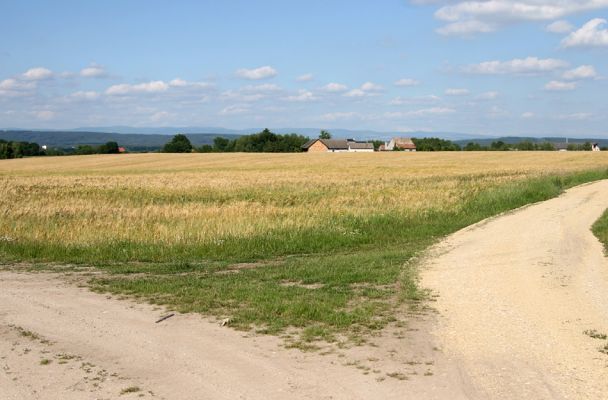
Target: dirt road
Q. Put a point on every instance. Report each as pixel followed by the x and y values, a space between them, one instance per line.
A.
pixel 99 347
pixel 515 294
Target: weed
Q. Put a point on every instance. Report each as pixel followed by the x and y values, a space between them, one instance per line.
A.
pixel 600 229
pixel 130 389
pixel 592 333
pixel 397 375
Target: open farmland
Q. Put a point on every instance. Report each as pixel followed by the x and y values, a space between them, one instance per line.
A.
pixel 314 241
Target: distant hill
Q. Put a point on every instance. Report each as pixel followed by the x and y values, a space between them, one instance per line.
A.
pixel 517 139
pixel 310 132
pixel 138 139
pixel 154 137
pixel 133 141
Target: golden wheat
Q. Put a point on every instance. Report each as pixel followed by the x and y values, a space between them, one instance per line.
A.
pixel 187 198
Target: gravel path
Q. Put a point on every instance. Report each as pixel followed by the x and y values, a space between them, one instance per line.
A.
pixel 515 295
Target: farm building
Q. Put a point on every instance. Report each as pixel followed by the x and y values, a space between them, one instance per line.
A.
pixel 337 146
pixel 405 144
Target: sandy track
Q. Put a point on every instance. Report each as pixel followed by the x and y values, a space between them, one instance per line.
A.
pixel 515 295
pixel 117 345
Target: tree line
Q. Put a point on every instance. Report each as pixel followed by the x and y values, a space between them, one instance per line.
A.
pixel 269 142
pixel 262 142
pixel 13 149
pixel 19 149
pixel 436 144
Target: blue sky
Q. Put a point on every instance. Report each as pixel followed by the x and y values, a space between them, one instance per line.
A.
pixel 497 67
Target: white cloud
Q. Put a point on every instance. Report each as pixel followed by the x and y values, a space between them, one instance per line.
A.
pixel 457 92
pixel 237 95
pixel 366 89
pixel 355 93
pixel 338 116
pixel 305 78
pixel 371 87
pixel 16 88
pixel 582 72
pixel 529 65
pixel 399 101
pixel 251 93
pixel 466 28
pixel 487 95
pixel 234 110
pixel 434 111
pixel 407 82
pixel 254 74
pixel 93 71
pixel 560 86
pixel 44 115
pixel 527 115
pixel 335 87
pixel 85 95
pixel 589 35
pixel 265 87
pixel 161 116
pixel 575 116
pixel 148 87
pixel 560 26
pixel 420 113
pixel 37 74
pixel 177 82
pixel 14 84
pixel 181 83
pixel 302 96
pixel 478 16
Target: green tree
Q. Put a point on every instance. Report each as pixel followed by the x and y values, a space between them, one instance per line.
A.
pixel 546 146
pixel 206 148
pixel 525 145
pixel 377 144
pixel 472 146
pixel 435 144
pixel 221 144
pixel 109 148
pixel 499 145
pixel 85 149
pixel 324 135
pixel 179 144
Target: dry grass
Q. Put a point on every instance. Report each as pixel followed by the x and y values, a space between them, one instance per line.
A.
pixel 202 198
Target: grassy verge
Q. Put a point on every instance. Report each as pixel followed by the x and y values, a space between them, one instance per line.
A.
pixel 600 229
pixel 348 287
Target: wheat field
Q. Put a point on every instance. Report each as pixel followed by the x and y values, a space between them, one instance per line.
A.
pixel 165 199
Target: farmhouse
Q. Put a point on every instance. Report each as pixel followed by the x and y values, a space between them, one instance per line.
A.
pixel 405 144
pixel 337 146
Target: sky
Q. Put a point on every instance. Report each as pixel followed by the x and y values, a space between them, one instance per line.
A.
pixel 483 67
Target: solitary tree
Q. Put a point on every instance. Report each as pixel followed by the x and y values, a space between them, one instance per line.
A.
pixel 324 135
pixel 179 144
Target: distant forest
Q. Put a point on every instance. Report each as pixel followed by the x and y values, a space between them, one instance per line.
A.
pixel 261 142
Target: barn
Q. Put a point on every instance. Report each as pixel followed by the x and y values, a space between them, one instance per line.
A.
pixel 400 143
pixel 337 146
